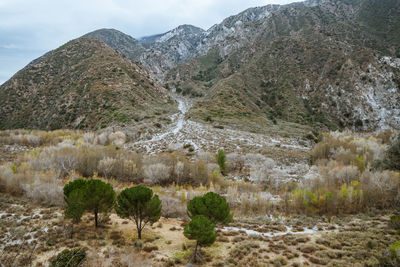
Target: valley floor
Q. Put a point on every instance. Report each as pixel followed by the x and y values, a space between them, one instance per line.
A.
pixel 38 233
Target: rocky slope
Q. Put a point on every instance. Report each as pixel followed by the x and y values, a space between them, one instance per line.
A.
pixel 325 63
pixel 320 63
pixel 82 84
pixel 120 41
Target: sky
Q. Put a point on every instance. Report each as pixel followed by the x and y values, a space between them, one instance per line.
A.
pixel 30 28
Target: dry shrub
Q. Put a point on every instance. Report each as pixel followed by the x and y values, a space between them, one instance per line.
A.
pixel 117 138
pixel 39 186
pixel 211 167
pixel 45 188
pixel 157 173
pixel 106 166
pixel 102 139
pixel 10 180
pixel 262 171
pixel 381 189
pixel 343 174
pixel 206 157
pixel 89 138
pixel 235 162
pixel 254 203
pixel 172 208
pixel 198 173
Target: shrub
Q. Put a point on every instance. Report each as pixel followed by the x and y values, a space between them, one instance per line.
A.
pixel 106 167
pixel 392 158
pixel 172 208
pixel 157 173
pixel 45 188
pixel 69 258
pixel 262 172
pixel 221 160
pixel 395 222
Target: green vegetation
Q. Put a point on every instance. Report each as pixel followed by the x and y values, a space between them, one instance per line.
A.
pixel 93 195
pixel 221 160
pixel 69 258
pixel 99 97
pixel 201 229
pixel 99 197
pixel 392 158
pixel 212 206
pixel 140 205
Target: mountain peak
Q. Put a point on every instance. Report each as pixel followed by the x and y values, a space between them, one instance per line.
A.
pixel 82 84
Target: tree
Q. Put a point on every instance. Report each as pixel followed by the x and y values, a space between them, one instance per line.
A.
pixel 75 207
pixel 200 229
pixel 73 196
pixel 99 197
pixel 140 205
pixel 93 195
pixel 212 206
pixel 71 186
pixel 221 160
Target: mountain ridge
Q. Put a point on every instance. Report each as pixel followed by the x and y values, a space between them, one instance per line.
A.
pixel 325 63
pixel 83 84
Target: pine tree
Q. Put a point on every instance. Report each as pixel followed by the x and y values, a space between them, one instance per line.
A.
pixel 200 229
pixel 99 197
pixel 221 160
pixel 212 206
pixel 140 205
pixel 93 195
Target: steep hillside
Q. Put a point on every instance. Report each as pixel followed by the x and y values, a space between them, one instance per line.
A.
pixel 120 41
pixel 82 84
pixel 328 64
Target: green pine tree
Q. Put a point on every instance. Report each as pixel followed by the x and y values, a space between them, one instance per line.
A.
pixel 140 205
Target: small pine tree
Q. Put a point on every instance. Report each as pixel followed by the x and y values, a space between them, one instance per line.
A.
pixel 99 197
pixel 71 186
pixel 211 205
pixel 75 207
pixel 93 195
pixel 221 160
pixel 200 229
pixel 140 205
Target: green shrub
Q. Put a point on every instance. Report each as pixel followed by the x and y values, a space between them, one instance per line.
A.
pixel 69 258
pixel 221 160
pixel 395 222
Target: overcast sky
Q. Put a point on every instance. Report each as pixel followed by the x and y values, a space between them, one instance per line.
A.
pixel 29 28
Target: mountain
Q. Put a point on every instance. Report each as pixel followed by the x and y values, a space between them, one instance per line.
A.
pixel 120 41
pixel 82 84
pixel 330 64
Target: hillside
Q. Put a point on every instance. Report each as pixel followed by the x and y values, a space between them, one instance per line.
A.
pixel 120 41
pixel 325 64
pixel 83 84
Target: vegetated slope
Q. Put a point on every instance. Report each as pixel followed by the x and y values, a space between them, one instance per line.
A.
pixel 330 64
pixel 82 84
pixel 120 41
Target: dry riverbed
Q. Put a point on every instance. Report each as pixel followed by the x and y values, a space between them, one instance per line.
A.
pixel 35 233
